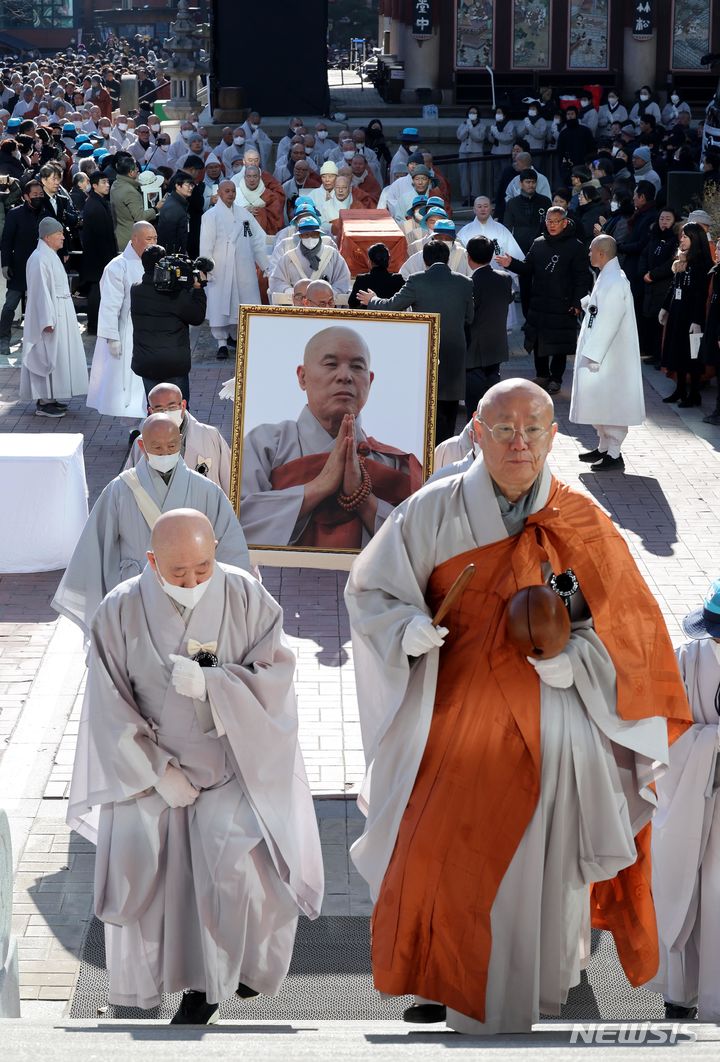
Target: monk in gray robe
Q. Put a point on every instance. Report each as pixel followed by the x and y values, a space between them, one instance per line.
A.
pixel 116 537
pixel 188 777
pixel 202 447
pixel 320 480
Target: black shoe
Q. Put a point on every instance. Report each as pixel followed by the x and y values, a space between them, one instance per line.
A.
pixel 231 342
pixel 554 387
pixel 245 992
pixel 50 409
pixel 712 418
pixel 590 455
pixel 425 1013
pixel 693 399
pixel 674 397
pixel 195 1010
pixel 222 354
pixel 609 464
pixel 674 1010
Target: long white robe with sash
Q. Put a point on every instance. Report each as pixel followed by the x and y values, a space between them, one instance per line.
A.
pixel 270 517
pixel 293 266
pixel 116 537
pixel 53 363
pixel 114 388
pixel 236 243
pixel 207 896
pixel 202 447
pixel 458 262
pixel 686 847
pixel 596 768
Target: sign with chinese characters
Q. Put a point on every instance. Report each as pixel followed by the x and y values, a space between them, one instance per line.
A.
pixel 474 26
pixel 422 24
pixel 531 34
pixel 589 24
pixel 643 24
pixel 690 33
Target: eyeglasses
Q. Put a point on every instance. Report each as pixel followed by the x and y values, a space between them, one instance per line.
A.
pixel 505 433
pixel 166 409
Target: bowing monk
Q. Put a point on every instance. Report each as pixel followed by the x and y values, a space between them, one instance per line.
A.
pixel 508 800
pixel 189 778
pixel 320 480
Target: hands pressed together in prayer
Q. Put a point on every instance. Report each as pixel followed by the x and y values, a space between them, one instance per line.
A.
pixel 342 475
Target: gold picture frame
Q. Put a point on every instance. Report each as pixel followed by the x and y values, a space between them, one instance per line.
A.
pixel 270 340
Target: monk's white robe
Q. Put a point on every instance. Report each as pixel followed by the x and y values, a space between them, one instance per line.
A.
pixel 455 448
pixel 203 450
pixel 236 243
pixel 270 517
pixel 458 262
pixel 596 768
pixel 53 363
pixel 114 388
pixel 292 266
pixel 505 243
pixel 116 537
pixel 206 896
pixel 686 847
pixel 287 238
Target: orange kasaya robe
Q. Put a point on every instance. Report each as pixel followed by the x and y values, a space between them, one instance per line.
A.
pixel 330 526
pixel 479 780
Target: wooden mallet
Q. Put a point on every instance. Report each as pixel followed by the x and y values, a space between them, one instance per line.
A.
pixel 454 593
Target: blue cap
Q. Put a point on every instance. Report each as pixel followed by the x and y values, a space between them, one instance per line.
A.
pixel 433 212
pixel 82 138
pixel 308 223
pixel 99 154
pixel 85 150
pixel 68 128
pixel 704 622
pixel 419 200
pixel 14 123
pixel 445 225
pixel 436 201
pixel 410 133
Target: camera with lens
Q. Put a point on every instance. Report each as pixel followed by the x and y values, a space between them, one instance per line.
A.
pixel 177 272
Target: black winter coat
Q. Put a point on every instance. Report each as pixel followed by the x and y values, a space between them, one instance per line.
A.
pixel 19 240
pixel 161 335
pixel 686 310
pixel 631 248
pixel 173 225
pixel 98 238
pixel 709 349
pixel 384 283
pixel 657 260
pixel 560 273
pixel 524 216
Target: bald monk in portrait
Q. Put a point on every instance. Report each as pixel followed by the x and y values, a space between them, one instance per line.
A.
pixel 189 779
pixel 116 537
pixel 511 797
pixel 321 480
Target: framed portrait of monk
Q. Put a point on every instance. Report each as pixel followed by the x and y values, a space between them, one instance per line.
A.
pixel 333 427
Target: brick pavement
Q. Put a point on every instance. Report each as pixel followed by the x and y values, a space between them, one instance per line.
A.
pixel 667 506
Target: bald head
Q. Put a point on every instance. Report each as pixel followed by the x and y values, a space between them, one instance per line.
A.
pixel 299 289
pixel 515 430
pixel 507 393
pixel 160 435
pixel 166 398
pixel 182 547
pixel 335 374
pixel 602 250
pixel 320 293
pixel 142 236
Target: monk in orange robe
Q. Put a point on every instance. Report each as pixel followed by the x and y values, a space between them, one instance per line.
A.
pixel 509 800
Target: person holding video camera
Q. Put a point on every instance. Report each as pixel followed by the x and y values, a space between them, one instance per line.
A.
pixel 169 298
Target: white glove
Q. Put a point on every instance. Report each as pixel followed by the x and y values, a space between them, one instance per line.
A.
pixel 695 329
pixel 556 672
pixel 188 678
pixel 114 347
pixel 175 789
pixel 420 636
pixel 663 316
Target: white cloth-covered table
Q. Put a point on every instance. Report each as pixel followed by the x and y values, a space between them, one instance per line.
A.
pixel 42 483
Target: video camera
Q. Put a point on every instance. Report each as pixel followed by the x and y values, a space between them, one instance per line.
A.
pixel 177 272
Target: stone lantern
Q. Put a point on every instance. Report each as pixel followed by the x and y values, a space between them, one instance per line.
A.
pixel 185 65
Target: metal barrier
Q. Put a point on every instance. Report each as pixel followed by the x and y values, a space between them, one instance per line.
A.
pixel 491 166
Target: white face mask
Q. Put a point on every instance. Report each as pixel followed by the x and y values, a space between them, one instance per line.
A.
pixel 532 112
pixel 612 100
pixel 499 117
pixel 308 151
pixel 254 127
pixel 186 596
pixel 584 103
pixel 122 126
pixel 154 128
pixel 348 155
pixel 322 134
pixel 473 116
pixel 105 133
pixel 675 98
pixel 176 416
pixel 614 206
pixel 309 242
pixel 238 141
pixel 163 462
pixel 644 96
pixel 186 134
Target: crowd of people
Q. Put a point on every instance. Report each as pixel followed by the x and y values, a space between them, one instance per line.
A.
pixel 500 822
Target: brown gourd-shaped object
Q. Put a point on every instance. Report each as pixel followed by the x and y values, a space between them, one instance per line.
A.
pixel 538 622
